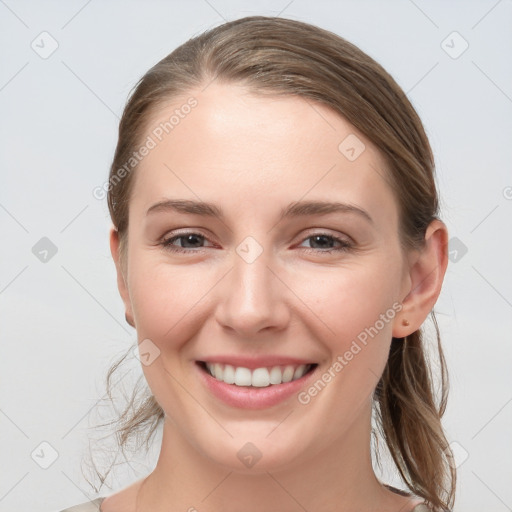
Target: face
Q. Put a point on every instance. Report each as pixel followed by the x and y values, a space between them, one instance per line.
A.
pixel 262 248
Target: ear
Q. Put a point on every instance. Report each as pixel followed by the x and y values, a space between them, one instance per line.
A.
pixel 427 268
pixel 121 278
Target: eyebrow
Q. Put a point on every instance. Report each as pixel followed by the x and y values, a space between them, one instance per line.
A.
pixel 296 209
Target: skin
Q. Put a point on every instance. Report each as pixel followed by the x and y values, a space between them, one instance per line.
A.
pixel 253 156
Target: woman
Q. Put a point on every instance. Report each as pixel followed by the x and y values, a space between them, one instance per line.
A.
pixel 278 248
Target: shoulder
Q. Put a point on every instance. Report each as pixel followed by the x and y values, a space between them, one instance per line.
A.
pixel 122 500
pixel 89 506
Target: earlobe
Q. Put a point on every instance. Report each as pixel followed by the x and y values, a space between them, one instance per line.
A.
pixel 426 275
pixel 121 278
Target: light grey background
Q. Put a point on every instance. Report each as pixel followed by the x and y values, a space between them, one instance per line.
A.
pixel 62 322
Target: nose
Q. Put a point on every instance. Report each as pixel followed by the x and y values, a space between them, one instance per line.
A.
pixel 252 298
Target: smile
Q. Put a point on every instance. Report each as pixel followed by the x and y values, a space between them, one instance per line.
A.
pixel 258 377
pixel 258 387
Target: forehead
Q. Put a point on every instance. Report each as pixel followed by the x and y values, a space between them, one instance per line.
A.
pixel 243 149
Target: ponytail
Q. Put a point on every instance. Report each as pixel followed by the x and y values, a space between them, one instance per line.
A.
pixel 410 420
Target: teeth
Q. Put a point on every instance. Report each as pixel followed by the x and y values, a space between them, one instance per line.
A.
pixel 299 372
pixel 242 377
pixel 276 375
pixel 288 373
pixel 217 371
pixel 259 377
pixel 229 374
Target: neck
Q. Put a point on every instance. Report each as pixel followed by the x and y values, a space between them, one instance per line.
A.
pixel 340 478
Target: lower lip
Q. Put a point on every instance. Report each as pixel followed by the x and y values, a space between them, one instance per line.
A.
pixel 248 397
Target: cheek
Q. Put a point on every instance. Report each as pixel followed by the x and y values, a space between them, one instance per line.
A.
pixel 348 300
pixel 168 301
pixel 167 304
pixel 357 308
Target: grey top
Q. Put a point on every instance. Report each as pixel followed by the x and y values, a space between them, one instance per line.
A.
pixel 90 506
pixel 94 506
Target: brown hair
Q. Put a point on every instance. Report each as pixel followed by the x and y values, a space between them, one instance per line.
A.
pixel 283 56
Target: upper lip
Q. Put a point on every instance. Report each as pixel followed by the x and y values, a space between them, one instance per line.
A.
pixel 255 362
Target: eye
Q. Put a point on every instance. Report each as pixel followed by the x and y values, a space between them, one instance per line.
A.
pixel 188 242
pixel 327 243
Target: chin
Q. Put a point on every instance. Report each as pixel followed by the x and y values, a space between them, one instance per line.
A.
pixel 256 453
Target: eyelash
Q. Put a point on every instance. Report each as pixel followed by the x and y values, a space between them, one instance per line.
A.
pixel 345 246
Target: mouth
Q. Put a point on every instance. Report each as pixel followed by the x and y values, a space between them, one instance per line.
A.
pixel 259 387
pixel 256 377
